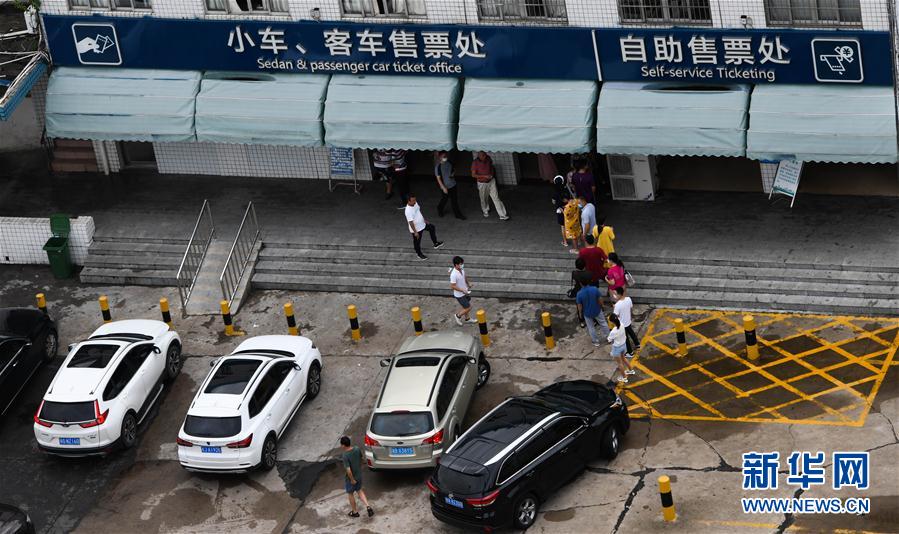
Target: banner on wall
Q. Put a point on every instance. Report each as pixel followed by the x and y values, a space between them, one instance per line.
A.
pixel 786 182
pixel 693 55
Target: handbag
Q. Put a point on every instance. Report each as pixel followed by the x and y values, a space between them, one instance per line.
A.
pixel 572 293
pixel 629 280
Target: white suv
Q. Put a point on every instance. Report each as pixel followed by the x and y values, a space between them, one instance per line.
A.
pixel 246 403
pixel 105 388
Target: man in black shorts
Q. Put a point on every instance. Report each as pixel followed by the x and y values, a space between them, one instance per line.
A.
pixel 462 291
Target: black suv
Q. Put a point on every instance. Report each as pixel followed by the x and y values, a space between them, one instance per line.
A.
pixel 499 471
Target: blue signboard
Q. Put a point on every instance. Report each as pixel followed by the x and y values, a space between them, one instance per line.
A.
pixel 321 47
pixel 744 56
pixel 695 55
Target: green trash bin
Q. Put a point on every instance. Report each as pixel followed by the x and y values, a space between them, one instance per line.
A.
pixel 57 247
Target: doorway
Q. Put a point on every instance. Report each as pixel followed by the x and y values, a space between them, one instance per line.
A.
pixel 137 155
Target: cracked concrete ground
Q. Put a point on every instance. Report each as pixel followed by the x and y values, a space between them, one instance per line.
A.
pixel 145 490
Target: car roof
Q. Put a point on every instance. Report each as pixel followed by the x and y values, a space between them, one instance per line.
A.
pixel 18 321
pixel 81 383
pixel 410 385
pixel 133 326
pixel 448 340
pixel 298 345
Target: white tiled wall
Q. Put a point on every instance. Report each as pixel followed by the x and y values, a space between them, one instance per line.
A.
pixel 769 171
pixel 22 239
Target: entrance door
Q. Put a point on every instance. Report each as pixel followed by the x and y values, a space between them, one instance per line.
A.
pixel 137 154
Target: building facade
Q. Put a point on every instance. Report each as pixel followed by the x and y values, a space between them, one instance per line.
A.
pixel 686 93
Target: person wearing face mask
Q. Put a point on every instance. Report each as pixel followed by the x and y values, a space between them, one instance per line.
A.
pixel 462 291
pixel 446 180
pixel 588 216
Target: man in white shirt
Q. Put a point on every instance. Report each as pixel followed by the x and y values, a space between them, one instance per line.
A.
pixel 461 290
pixel 418 224
pixel 588 215
pixel 623 309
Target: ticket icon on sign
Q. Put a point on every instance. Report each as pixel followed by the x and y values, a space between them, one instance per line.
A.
pixel 96 44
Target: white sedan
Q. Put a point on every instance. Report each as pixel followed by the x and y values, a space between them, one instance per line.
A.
pixel 246 403
pixel 106 387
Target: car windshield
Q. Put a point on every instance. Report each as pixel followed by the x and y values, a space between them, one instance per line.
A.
pixel 93 356
pixel 212 427
pixel 400 424
pixel 67 412
pixel 453 481
pixel 232 377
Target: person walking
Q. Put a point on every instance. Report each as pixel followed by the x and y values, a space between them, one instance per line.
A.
pixel 615 276
pixel 595 258
pixel 462 291
pixel 382 161
pixel 618 339
pixel 590 305
pixel 400 178
pixel 588 216
pixel 446 180
pixel 352 467
pixel 605 238
pixel 580 277
pixel 623 308
pixel 418 225
pixel 583 182
pixel 561 196
pixel 483 171
pixel 572 216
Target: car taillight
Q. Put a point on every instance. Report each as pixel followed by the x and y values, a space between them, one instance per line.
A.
pixel 371 442
pixel 483 501
pixel 242 444
pixel 99 418
pixel 432 487
pixel 183 442
pixel 436 439
pixel 37 418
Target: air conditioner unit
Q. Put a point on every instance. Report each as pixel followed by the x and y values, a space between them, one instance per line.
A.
pixel 632 177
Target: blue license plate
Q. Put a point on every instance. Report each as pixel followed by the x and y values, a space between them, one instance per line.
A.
pixel 70 441
pixel 402 451
pixel 454 502
pixel 213 450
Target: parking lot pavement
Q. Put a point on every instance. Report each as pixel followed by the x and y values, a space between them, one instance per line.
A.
pixel 145 490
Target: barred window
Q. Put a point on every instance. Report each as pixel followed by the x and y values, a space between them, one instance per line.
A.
pixel 109 4
pixel 384 8
pixel 813 12
pixel 246 6
pixel 522 9
pixel 665 11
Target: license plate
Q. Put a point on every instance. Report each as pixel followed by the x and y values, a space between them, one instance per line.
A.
pixel 70 441
pixel 213 450
pixel 454 502
pixel 402 451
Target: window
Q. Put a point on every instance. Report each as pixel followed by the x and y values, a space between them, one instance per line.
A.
pixel 674 11
pixel 232 377
pixel 509 468
pixel 126 370
pixel 450 384
pixel 8 350
pixel 401 424
pixel 384 8
pixel 530 451
pixel 267 387
pixel 813 12
pixel 522 9
pixel 418 361
pixel 93 356
pixel 247 6
pixel 110 4
pixel 211 427
pixel 67 412
pixel 561 428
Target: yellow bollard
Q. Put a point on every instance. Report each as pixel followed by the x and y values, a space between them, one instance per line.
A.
pixel 226 317
pixel 667 500
pixel 681 337
pixel 104 309
pixel 416 321
pixel 354 322
pixel 164 308
pixel 548 331
pixel 482 326
pixel 41 302
pixel 752 343
pixel 291 320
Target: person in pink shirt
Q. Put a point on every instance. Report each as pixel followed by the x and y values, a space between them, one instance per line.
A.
pixel 615 277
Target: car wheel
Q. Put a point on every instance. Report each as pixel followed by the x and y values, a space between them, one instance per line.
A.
pixel 483 372
pixel 314 381
pixel 526 511
pixel 173 361
pixel 51 345
pixel 269 453
pixel 611 441
pixel 129 431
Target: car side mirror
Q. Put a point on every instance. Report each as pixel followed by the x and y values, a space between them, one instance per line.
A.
pixel 213 362
pixel 72 346
pixel 385 362
pixel 156 350
pixel 472 360
pixel 296 366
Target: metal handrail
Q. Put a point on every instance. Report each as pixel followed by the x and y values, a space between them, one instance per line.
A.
pixel 195 254
pixel 236 264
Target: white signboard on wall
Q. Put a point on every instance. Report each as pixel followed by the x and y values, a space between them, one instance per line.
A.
pixel 786 182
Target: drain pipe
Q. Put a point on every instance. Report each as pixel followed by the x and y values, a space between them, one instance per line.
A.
pixel 104 157
pixel 894 56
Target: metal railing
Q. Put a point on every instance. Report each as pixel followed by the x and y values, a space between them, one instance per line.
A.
pixel 199 242
pixel 239 256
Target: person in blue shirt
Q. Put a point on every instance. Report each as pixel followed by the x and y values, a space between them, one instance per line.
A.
pixel 589 305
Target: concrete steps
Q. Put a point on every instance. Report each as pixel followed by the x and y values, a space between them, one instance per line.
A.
pixel 133 261
pixel 682 282
pixel 73 155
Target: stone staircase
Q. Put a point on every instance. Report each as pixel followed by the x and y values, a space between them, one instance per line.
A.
pixel 677 282
pixel 133 261
pixel 73 155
